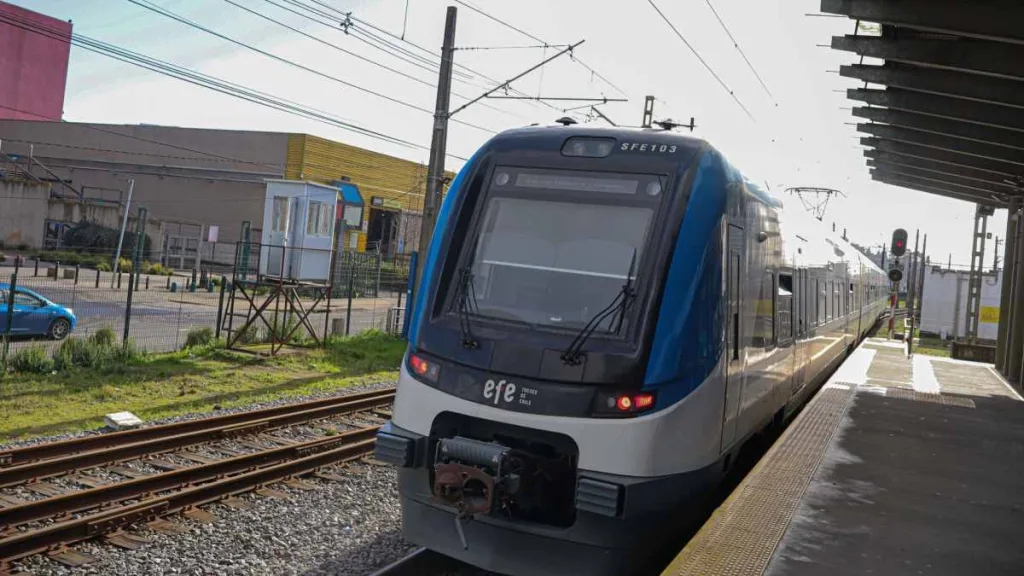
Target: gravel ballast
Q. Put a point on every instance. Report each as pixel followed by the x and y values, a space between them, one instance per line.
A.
pixel 351 526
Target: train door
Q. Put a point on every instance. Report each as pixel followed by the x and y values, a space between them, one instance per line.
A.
pixel 735 350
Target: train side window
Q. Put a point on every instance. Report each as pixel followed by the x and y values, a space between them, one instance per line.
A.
pixel 764 315
pixel 819 311
pixel 785 306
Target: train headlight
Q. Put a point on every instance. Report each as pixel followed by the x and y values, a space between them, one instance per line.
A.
pixel 588 147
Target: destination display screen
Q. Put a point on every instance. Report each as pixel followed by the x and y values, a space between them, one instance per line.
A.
pixel 576 183
pixel 571 181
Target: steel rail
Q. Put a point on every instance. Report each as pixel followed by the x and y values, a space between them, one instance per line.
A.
pixel 120 453
pixel 25 454
pixel 146 485
pixel 27 543
pixel 419 562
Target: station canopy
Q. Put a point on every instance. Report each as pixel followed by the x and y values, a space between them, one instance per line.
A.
pixel 944 113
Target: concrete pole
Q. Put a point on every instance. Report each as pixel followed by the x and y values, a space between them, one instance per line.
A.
pixel 1005 300
pixel 1015 327
pixel 120 238
pixel 438 143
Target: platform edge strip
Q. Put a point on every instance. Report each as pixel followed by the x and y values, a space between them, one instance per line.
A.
pixel 741 536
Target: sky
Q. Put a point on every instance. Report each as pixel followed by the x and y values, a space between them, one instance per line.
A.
pixel 796 130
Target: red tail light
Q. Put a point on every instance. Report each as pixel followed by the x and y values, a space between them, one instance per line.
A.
pixel 643 401
pixel 423 368
pixel 624 403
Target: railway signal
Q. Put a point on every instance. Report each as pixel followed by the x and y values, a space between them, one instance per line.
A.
pixel 899 242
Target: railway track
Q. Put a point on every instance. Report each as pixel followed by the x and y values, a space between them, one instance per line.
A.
pixel 424 562
pixel 96 486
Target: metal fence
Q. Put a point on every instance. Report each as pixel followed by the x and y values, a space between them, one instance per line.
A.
pixel 157 316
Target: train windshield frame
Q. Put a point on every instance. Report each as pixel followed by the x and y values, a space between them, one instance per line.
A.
pixel 551 248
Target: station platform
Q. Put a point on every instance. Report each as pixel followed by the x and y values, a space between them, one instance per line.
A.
pixel 897 466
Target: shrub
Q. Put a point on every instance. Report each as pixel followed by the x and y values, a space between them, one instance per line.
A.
pixel 3 257
pixel 103 267
pixel 100 351
pixel 154 269
pixel 22 247
pixel 32 359
pixel 75 352
pixel 124 265
pixel 104 337
pixel 199 337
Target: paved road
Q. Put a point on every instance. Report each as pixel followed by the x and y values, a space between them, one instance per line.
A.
pixel 160 319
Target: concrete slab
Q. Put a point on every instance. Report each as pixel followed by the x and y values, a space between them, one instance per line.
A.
pixel 897 466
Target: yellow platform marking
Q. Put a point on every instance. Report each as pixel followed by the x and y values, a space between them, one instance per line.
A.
pixel 740 537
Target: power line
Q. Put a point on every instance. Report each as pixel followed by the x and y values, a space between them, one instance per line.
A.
pixel 346 19
pixel 740 50
pixel 536 39
pixel 202 80
pixel 370 40
pixel 533 47
pixel 702 61
pixel 169 14
pixel 420 65
pixel 349 52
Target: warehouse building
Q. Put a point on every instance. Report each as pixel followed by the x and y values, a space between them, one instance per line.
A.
pixel 204 184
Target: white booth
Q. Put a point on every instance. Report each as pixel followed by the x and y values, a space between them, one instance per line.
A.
pixel 298 230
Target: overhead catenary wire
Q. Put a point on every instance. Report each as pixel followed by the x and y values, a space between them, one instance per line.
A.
pixel 373 41
pixel 740 50
pixel 351 53
pixel 354 27
pixel 169 14
pixel 202 80
pixel 536 39
pixel 700 58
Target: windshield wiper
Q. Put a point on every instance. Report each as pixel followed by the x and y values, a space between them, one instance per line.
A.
pixel 572 354
pixel 467 305
pixel 465 296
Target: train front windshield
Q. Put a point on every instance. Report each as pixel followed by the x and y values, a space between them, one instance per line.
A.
pixel 555 248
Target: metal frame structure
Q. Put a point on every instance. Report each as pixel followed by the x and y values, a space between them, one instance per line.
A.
pixel 283 299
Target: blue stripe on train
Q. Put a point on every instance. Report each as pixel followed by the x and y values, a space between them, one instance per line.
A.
pixel 687 337
pixel 428 282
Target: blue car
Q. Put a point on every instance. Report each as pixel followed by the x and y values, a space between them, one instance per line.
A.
pixel 34 315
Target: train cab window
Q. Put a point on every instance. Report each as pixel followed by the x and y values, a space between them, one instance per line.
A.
pixel 555 248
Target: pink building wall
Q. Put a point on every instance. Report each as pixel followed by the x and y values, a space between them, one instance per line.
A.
pixel 33 66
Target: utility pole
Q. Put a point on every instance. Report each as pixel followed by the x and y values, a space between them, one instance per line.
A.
pixel 912 277
pixel 120 239
pixel 438 143
pixel 915 310
pixel 439 139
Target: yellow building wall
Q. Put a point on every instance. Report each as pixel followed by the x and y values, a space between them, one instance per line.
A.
pixel 393 179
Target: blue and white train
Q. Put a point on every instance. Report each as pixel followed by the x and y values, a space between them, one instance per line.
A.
pixel 605 316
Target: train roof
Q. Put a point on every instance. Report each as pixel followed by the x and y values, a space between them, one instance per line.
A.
pixel 559 133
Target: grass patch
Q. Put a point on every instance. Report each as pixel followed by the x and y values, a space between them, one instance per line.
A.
pixel 193 380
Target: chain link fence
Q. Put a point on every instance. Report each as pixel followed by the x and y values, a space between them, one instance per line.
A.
pixel 367 292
